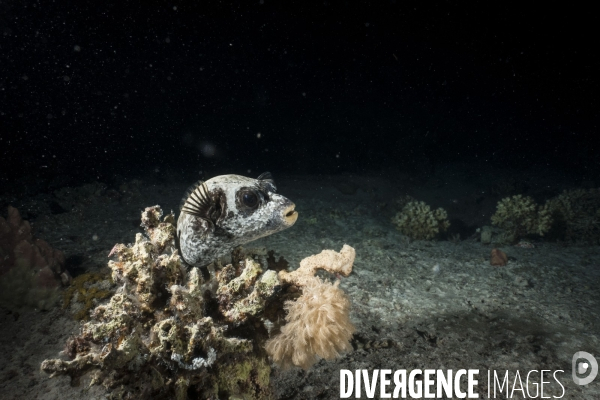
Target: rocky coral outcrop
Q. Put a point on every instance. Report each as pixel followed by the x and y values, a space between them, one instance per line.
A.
pixel 174 331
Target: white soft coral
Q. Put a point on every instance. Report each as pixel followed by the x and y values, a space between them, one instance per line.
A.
pixel 318 326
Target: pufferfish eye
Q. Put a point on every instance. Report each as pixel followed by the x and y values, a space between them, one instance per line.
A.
pixel 250 199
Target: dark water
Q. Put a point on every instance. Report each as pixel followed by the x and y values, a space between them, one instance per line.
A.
pixel 456 105
pixel 94 89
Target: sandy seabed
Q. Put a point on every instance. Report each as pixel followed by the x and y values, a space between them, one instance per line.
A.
pixel 415 304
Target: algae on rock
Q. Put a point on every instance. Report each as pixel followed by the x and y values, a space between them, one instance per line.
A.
pixel 85 292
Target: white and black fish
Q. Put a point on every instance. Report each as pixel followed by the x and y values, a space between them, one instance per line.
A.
pixel 227 211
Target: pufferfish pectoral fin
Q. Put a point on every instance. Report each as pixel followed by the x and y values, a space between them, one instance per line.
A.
pixel 266 182
pixel 196 201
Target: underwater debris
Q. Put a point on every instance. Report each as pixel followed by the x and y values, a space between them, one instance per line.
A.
pixel 419 222
pixel 172 331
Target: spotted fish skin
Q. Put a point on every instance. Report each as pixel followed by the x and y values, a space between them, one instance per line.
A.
pixel 228 211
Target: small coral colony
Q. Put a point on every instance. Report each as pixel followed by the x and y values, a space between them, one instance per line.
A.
pixel 573 216
pixel 175 329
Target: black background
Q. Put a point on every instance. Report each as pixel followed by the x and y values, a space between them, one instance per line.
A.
pixel 94 89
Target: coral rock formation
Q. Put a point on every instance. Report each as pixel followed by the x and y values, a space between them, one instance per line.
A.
pixel 174 331
pixel 30 270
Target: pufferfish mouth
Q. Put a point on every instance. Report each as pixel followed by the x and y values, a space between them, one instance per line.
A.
pixel 290 215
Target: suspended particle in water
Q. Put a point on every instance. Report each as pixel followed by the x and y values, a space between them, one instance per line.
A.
pixel 208 149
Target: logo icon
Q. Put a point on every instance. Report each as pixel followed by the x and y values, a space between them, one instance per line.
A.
pixel 583 367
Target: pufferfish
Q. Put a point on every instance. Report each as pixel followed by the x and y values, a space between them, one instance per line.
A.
pixel 228 211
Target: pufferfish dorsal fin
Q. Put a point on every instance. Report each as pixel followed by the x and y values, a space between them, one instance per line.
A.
pixel 266 182
pixel 196 201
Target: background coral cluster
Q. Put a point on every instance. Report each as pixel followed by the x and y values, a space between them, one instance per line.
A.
pixel 573 216
pixel 418 221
